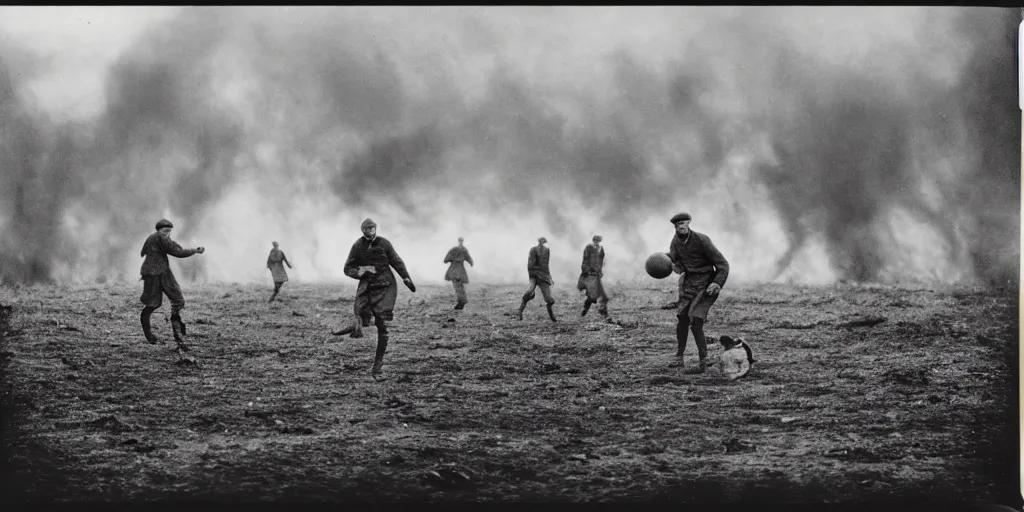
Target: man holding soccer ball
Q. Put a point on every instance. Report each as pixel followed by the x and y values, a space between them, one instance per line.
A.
pixel 704 272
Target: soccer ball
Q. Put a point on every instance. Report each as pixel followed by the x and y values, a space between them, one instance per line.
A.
pixel 658 265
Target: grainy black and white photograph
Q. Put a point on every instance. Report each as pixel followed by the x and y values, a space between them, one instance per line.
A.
pixel 684 254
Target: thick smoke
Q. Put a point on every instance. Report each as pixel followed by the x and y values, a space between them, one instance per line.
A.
pixel 856 148
pixel 809 147
pixel 37 161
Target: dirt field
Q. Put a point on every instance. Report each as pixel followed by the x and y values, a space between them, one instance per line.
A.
pixel 481 406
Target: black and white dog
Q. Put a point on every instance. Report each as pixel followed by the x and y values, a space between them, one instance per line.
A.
pixel 736 359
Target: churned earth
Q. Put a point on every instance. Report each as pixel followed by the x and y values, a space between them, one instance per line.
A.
pixel 858 393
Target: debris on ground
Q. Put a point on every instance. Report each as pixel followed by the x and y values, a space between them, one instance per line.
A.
pixel 449 476
pixel 909 376
pixel 869 321
pixel 536 410
pixel 787 324
pixel 736 445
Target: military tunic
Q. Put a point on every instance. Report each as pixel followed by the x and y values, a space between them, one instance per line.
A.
pixel 457 270
pixel 702 264
pixel 537 265
pixel 592 270
pixel 276 261
pixel 156 271
pixel 377 293
pixel 540 275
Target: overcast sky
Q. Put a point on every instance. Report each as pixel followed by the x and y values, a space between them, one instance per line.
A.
pixel 514 122
pixel 78 42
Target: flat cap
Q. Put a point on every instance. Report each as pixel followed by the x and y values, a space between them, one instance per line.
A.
pixel 680 217
pixel 542 240
pixel 368 223
pixel 164 223
pixel 597 238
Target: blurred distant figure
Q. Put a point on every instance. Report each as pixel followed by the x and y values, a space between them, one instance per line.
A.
pixel 158 280
pixel 370 261
pixel 590 277
pixel 704 272
pixel 457 271
pixel 540 275
pixel 276 262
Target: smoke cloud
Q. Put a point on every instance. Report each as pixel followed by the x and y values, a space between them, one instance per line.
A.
pixel 811 144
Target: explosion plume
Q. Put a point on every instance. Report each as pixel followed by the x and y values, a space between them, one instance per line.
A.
pixel 812 144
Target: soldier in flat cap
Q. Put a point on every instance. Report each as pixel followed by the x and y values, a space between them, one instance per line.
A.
pixel 704 271
pixel 276 262
pixel 457 271
pixel 592 270
pixel 540 275
pixel 370 261
pixel 158 280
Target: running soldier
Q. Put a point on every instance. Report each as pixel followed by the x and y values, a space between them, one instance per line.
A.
pixel 540 275
pixel 457 271
pixel 276 262
pixel 158 280
pixel 704 271
pixel 370 261
pixel 590 277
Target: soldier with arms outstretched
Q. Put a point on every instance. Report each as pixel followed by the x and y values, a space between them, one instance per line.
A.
pixel 158 280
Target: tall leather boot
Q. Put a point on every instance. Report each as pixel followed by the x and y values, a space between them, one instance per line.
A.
pixel 682 332
pixel 522 306
pixel 586 307
pixel 551 312
pixel 460 294
pixel 702 346
pixel 179 331
pixel 146 327
pixel 382 346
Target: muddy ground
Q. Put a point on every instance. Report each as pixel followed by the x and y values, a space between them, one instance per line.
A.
pixel 858 393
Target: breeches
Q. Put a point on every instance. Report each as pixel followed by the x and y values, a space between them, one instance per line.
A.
pixel 376 302
pixel 545 290
pixel 460 289
pixel 154 287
